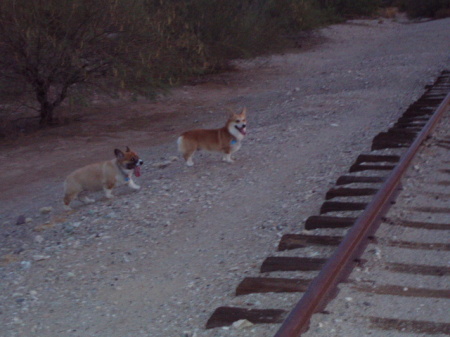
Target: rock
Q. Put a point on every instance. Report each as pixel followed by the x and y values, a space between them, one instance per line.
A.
pixel 242 324
pixel 189 334
pixel 17 321
pixel 20 220
pixel 161 165
pixel 46 210
pixel 40 257
pixel 25 264
pixel 38 239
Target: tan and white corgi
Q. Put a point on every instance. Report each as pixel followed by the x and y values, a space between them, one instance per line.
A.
pixel 226 140
pixel 103 175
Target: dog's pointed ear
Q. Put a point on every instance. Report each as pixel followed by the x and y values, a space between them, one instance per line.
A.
pixel 243 112
pixel 127 149
pixel 231 113
pixel 119 154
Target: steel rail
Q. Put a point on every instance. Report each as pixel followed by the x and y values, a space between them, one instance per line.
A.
pixel 340 264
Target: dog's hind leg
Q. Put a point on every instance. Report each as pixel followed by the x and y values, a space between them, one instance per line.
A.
pixel 68 197
pixel 186 149
pixel 71 192
pixel 108 187
pixel 108 193
pixel 188 158
pixel 187 155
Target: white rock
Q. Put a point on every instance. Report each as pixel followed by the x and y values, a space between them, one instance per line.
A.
pixel 189 334
pixel 25 264
pixel 40 257
pixel 242 324
pixel 38 239
pixel 46 210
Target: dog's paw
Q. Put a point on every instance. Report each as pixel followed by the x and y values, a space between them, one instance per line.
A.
pixel 108 194
pixel 190 163
pixel 132 185
pixel 228 159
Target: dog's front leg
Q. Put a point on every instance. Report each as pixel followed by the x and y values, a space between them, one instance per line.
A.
pixel 133 185
pixel 227 158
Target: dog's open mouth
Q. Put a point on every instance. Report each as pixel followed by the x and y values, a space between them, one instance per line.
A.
pixel 242 129
pixel 137 171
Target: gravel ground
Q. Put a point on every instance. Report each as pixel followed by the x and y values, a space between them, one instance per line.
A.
pixel 157 262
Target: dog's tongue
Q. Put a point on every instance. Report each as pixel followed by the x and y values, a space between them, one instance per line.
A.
pixel 243 131
pixel 137 171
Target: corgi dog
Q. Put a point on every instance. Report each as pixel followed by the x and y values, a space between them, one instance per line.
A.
pixel 226 140
pixel 103 175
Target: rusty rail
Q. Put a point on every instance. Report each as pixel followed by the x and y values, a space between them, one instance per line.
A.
pixel 340 264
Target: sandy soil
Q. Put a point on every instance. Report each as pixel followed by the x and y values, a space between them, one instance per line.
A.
pixel 157 262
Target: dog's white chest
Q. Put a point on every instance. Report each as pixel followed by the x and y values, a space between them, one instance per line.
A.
pixel 122 178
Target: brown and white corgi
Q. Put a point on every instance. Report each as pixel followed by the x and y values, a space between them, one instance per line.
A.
pixel 103 175
pixel 226 140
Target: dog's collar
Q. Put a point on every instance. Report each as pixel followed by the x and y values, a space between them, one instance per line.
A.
pixel 234 140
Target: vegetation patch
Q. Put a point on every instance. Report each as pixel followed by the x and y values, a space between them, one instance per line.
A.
pixel 58 52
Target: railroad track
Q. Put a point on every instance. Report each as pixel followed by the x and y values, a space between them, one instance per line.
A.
pixel 352 212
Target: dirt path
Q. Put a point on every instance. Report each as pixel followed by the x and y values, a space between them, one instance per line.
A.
pixel 157 262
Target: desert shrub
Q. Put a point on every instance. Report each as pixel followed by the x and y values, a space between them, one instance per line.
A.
pixel 200 36
pixel 351 8
pixel 292 16
pixel 425 8
pixel 52 48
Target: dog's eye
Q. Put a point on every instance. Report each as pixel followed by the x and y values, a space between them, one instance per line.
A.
pixel 238 121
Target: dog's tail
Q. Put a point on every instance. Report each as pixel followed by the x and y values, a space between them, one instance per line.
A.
pixel 180 144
